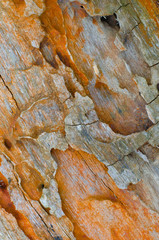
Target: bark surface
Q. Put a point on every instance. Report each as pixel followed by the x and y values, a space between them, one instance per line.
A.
pixel 79 119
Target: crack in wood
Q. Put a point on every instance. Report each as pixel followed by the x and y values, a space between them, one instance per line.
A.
pixel 10 92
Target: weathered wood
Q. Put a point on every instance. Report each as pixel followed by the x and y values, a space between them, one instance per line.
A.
pixel 79 116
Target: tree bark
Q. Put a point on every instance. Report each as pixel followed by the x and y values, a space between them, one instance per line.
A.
pixel 79 131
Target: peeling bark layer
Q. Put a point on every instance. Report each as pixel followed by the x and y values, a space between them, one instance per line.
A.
pixel 79 115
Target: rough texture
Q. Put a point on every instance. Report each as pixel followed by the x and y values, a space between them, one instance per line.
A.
pixel 79 119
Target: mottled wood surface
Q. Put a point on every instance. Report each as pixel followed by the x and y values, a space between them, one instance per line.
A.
pixel 79 112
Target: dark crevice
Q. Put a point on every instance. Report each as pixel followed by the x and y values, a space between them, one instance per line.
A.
pixel 111 20
pixel 125 5
pixel 133 28
pixel 157 3
pixel 153 100
pixel 2 184
pixel 8 144
pixel 154 64
pixel 48 229
pixel 10 92
pixel 41 186
pixel 81 124
pixel 48 52
pixel 112 164
pixel 67 99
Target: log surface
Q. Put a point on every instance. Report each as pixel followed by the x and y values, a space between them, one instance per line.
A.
pixel 79 119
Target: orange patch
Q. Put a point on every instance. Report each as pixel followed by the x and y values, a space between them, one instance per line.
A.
pixel 97 208
pixel 8 205
pixel 152 9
